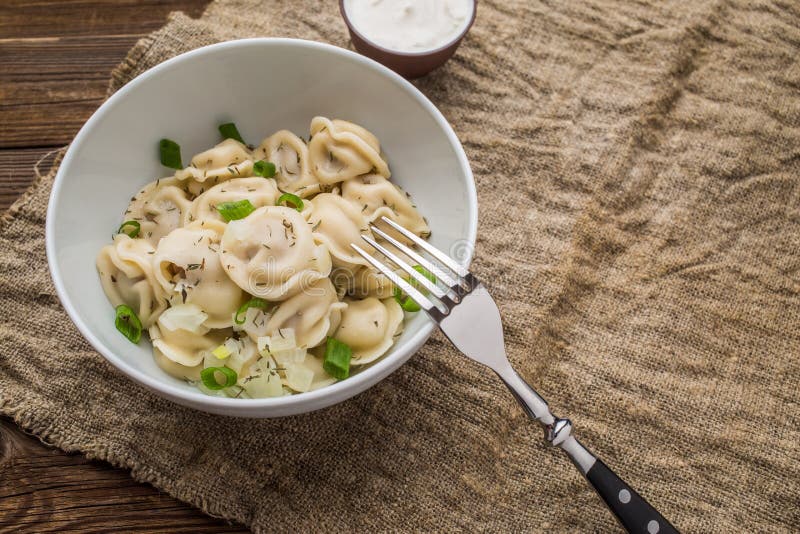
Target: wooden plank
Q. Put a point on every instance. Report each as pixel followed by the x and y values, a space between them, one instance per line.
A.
pixel 16 173
pixel 26 19
pixel 56 58
pixel 49 87
pixel 45 490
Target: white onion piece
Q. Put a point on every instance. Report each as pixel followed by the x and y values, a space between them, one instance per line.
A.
pixel 187 317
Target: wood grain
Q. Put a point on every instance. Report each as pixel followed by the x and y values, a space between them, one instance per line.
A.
pixel 42 18
pixel 16 172
pixel 55 61
pixel 45 490
pixel 49 87
pixel 56 58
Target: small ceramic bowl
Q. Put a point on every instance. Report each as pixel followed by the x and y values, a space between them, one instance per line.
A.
pixel 115 154
pixel 408 64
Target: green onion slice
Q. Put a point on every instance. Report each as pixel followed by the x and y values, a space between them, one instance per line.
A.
pixel 128 323
pixel 404 300
pixel 229 131
pixel 232 211
pixel 170 154
pixel 133 232
pixel 264 168
pixel 337 359
pixel 209 377
pixel 252 303
pixel 294 200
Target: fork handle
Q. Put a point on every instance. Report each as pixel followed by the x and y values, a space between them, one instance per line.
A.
pixel 634 513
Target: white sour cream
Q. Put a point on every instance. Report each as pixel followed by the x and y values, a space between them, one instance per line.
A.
pixel 409 25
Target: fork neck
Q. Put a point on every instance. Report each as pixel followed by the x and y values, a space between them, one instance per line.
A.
pixel 533 404
pixel 557 432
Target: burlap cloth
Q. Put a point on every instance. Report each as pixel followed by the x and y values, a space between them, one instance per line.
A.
pixel 638 170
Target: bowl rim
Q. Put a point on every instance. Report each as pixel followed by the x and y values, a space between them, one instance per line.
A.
pixel 410 55
pixel 290 404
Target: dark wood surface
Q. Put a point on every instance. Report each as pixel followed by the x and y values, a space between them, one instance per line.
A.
pixel 55 61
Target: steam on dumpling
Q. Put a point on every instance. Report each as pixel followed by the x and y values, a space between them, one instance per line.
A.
pixel 378 197
pixel 187 265
pixel 337 223
pixel 126 274
pixel 158 208
pixel 259 191
pixel 369 326
pixel 271 253
pixel 313 313
pixel 289 153
pixel 229 159
pixel 340 150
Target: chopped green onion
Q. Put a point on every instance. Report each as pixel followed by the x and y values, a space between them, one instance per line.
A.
pixel 232 211
pixel 229 131
pixel 289 198
pixel 170 154
pixel 264 168
pixel 209 377
pixel 406 302
pixel 252 303
pixel 337 359
pixel 130 233
pixel 128 323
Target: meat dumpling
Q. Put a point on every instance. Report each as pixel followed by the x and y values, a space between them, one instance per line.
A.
pixel 340 150
pixel 369 327
pixel 272 254
pixel 126 274
pixel 187 265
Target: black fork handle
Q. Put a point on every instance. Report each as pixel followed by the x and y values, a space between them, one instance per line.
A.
pixel 634 513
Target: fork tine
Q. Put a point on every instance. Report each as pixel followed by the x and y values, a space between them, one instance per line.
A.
pixel 430 249
pixel 424 282
pixel 440 274
pixel 423 301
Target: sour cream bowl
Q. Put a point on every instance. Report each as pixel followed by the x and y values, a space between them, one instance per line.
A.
pixel 116 152
pixel 411 37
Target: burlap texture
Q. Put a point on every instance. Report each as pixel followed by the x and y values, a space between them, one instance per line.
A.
pixel 637 168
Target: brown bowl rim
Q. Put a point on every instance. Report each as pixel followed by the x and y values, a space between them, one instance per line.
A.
pixel 424 53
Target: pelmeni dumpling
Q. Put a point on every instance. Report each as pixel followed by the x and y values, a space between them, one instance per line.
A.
pixel 229 159
pixel 313 314
pixel 159 208
pixel 337 223
pixel 184 347
pixel 259 191
pixel 339 150
pixel 271 253
pixel 368 327
pixel 289 153
pixel 187 265
pixel 378 197
pixel 126 274
pixel 362 282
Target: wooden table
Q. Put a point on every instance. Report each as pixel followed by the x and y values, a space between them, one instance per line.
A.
pixel 55 62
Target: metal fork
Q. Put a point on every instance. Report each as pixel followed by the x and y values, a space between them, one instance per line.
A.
pixel 462 306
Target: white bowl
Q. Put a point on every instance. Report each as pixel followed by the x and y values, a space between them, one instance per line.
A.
pixel 263 85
